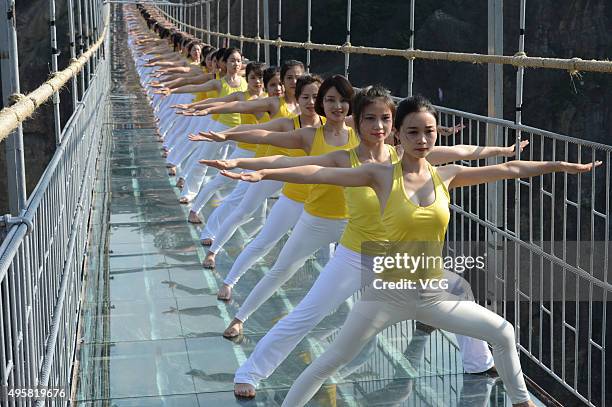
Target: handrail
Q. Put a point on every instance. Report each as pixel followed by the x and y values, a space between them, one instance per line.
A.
pixel 573 65
pixel 25 105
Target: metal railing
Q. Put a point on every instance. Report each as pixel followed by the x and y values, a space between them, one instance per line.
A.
pixel 42 258
pixel 547 238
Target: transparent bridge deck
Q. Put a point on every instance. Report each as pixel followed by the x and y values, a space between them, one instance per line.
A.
pixel 152 327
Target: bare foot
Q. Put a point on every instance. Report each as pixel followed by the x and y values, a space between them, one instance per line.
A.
pixel 233 329
pixel 206 242
pixel 183 200
pixel 244 390
pixel 172 171
pixel 180 183
pixel 209 261
pixel 225 293
pixel 165 154
pixel 193 218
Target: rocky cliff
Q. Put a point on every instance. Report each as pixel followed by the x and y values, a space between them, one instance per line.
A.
pixel 578 106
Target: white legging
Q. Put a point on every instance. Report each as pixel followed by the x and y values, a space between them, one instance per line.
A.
pixel 310 234
pixel 221 212
pixel 283 216
pixel 378 309
pixel 195 177
pixel 254 197
pixel 340 279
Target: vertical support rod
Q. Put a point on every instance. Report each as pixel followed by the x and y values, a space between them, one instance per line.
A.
pixel 308 33
pixel 9 63
pixel 266 16
pixel 218 29
pixel 187 18
pixel 347 56
pixel 495 202
pixel 208 22
pixel 517 187
pixel 280 31
pixel 87 37
pixel 521 70
pixel 182 15
pixel 80 42
pixel 202 20
pixel 411 61
pixel 72 52
pixel 94 35
pixel 241 24
pixel 227 40
pixel 54 52
pixel 258 44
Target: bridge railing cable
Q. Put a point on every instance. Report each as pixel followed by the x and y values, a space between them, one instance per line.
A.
pixel 43 256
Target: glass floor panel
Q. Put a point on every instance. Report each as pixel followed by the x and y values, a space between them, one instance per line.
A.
pixel 152 329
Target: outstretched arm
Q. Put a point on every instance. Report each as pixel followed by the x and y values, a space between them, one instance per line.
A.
pixel 363 175
pixel 248 106
pixel 204 87
pixel 447 154
pixel 333 159
pixel 459 176
pixel 300 138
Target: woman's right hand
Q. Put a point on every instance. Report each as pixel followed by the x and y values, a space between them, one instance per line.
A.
pixel 220 164
pixel 575 168
pixel 253 176
pixel 209 136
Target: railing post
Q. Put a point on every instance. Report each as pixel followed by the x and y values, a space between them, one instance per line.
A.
pixel 520 71
pixel 208 21
pixel 280 31
pixel 308 37
pixel 411 61
pixel 347 55
pixel 94 23
pixel 227 40
pixel 218 26
pixel 9 63
pixel 258 44
pixel 202 20
pixel 87 42
pixel 495 194
pixel 266 16
pixel 241 23
pixel 81 43
pixel 72 52
pixel 54 53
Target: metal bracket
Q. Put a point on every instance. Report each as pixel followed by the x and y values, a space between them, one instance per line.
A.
pixel 8 221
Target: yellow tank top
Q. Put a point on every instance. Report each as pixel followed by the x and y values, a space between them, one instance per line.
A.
pixel 297 192
pixel 247 118
pixel 214 94
pixel 283 111
pixel 201 95
pixel 327 201
pixel 364 228
pixel 230 119
pixel 262 149
pixel 416 230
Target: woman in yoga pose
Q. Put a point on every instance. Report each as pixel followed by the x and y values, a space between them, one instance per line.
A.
pixel 414 206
